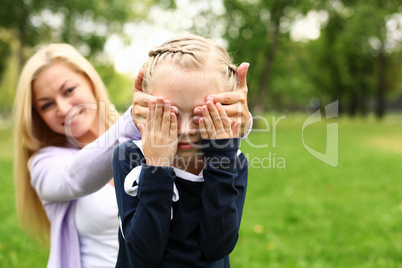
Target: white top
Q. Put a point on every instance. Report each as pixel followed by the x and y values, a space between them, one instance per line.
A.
pixel 97 227
pixel 61 176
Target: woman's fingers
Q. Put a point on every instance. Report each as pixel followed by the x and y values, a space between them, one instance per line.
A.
pixel 142 99
pixel 242 76
pixel 140 106
pixel 227 98
pixel 138 81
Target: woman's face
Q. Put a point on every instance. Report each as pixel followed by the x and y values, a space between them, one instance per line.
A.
pixel 65 101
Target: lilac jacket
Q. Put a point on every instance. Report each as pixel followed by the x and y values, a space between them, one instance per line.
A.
pixel 61 175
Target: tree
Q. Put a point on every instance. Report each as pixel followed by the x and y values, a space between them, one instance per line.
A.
pixel 350 61
pixel 85 24
pixel 256 32
pixel 353 56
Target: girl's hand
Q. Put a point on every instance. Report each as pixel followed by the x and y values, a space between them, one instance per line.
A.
pixel 234 103
pixel 215 124
pixel 159 135
pixel 141 101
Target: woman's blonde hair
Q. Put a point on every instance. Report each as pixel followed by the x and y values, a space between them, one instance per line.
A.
pixel 191 52
pixel 32 133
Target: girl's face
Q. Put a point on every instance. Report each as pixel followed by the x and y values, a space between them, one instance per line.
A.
pixel 65 101
pixel 185 90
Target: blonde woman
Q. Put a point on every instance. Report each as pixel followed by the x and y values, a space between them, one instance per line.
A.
pixel 65 132
pixel 181 189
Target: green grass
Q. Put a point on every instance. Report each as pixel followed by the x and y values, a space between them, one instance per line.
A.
pixel 299 213
pixel 16 248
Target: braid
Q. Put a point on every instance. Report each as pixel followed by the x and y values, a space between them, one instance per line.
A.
pixel 194 53
pixel 159 51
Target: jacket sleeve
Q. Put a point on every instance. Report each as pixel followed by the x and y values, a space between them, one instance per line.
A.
pixel 225 182
pixel 61 174
pixel 145 218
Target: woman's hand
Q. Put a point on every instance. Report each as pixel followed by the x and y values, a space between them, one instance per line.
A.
pixel 159 135
pixel 234 103
pixel 141 101
pixel 215 124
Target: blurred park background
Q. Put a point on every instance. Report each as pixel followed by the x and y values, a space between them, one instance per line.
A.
pixel 304 55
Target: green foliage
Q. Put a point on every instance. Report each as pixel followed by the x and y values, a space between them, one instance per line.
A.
pixel 254 33
pixel 119 87
pixel 4 50
pixel 26 24
pixel 347 67
pixel 341 64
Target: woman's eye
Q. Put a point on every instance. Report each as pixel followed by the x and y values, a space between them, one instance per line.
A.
pixel 46 106
pixel 70 89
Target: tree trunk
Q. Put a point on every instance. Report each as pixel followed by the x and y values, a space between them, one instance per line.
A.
pixel 22 35
pixel 263 88
pixel 382 64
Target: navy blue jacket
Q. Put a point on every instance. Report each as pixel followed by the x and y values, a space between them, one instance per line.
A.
pixel 206 218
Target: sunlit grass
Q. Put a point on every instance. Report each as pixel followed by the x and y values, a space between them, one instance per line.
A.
pixel 299 211
pixel 314 215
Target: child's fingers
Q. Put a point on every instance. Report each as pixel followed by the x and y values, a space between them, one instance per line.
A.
pixel 150 115
pixel 145 130
pixel 209 126
pixel 216 119
pixel 202 128
pixel 196 118
pixel 173 126
pixel 166 118
pixel 226 122
pixel 174 109
pixel 158 116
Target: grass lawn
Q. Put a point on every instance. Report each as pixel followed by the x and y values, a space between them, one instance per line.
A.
pixel 299 211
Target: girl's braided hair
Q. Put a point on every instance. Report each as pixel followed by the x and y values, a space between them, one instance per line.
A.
pixel 192 52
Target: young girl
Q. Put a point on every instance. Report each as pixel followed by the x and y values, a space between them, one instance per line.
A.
pixel 180 191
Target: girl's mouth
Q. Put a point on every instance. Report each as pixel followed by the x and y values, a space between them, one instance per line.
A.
pixel 186 145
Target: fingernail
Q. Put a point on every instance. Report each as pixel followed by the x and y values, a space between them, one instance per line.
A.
pixel 210 98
